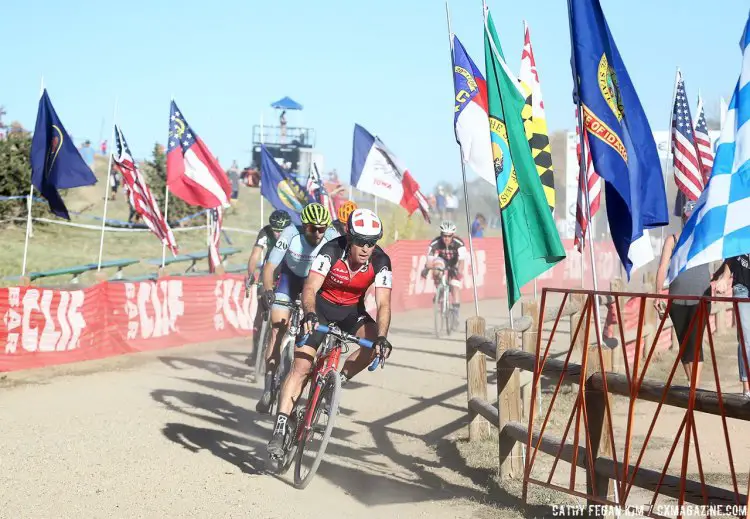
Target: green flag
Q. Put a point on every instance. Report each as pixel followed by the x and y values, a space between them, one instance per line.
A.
pixel 530 239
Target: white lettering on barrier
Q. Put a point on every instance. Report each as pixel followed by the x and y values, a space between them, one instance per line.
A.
pixel 153 308
pixel 232 307
pixel 65 315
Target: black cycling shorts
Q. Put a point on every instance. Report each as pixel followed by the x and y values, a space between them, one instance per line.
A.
pixel 348 319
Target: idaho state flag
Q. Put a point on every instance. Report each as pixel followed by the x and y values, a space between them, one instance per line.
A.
pixel 55 161
pixel 620 139
pixel 377 171
pixel 193 174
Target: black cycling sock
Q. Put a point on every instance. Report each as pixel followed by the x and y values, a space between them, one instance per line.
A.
pixel 281 420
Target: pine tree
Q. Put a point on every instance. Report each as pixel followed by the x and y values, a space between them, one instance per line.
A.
pixel 15 175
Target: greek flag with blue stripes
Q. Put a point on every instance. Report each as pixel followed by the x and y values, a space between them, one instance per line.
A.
pixel 719 227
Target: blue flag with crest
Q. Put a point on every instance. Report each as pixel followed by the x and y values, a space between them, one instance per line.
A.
pixel 279 188
pixel 55 161
pixel 621 142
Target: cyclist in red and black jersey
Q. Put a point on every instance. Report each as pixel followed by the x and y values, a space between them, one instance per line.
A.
pixel 448 251
pixel 334 292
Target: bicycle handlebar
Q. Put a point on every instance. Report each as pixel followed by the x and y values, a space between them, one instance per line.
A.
pixel 347 337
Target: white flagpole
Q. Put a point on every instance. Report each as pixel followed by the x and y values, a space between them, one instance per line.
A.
pixel 582 172
pixel 472 258
pixel 166 219
pixel 209 219
pixel 262 221
pixel 669 141
pixel 29 202
pixel 106 190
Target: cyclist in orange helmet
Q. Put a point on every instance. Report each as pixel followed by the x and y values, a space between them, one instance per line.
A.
pixel 343 213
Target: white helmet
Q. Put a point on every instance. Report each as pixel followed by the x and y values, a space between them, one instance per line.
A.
pixel 365 224
pixel 447 227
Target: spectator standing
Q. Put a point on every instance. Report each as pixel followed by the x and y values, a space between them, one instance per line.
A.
pixel 451 206
pixel 87 154
pixel 695 281
pixel 736 271
pixel 233 173
pixel 478 226
pixel 440 202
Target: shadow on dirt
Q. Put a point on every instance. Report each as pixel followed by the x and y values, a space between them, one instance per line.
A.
pixel 238 435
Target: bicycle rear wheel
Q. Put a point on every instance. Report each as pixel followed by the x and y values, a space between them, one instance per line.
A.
pixel 314 441
pixel 260 354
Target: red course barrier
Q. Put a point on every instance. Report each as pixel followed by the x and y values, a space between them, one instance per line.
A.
pixel 46 326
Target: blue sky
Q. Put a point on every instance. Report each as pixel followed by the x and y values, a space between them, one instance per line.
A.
pixel 383 64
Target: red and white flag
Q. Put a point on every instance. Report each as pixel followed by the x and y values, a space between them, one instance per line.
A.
pixel 193 174
pixel 215 221
pixel 139 194
pixel 590 182
pixel 703 142
pixel 377 171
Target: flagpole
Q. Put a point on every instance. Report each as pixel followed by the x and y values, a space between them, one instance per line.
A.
pixel 209 219
pixel 463 173
pixel 669 142
pixel 166 219
pixel 29 202
pixel 261 177
pixel 106 191
pixel 582 175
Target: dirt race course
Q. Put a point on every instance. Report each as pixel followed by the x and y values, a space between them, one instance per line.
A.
pixel 174 433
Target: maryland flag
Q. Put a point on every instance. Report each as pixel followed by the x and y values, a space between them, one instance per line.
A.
pixel 534 121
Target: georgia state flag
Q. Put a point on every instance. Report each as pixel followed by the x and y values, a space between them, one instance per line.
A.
pixel 193 174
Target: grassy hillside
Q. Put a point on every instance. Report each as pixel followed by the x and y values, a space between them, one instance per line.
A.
pixel 56 246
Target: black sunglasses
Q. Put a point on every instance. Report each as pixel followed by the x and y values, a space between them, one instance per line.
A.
pixel 316 229
pixel 363 242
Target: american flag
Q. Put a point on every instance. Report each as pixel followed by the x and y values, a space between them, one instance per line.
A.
pixel 687 167
pixel 703 142
pixel 139 194
pixel 594 185
pixel 215 220
pixel 318 192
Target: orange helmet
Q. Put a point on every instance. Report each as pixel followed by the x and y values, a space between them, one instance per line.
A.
pixel 345 210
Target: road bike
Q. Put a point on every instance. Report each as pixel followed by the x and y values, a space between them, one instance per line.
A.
pixel 315 418
pixel 445 318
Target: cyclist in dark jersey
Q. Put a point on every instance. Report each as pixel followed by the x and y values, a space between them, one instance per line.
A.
pixel 264 243
pixel 447 251
pixel 334 292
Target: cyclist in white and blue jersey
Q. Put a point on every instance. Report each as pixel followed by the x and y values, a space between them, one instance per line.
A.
pixel 293 254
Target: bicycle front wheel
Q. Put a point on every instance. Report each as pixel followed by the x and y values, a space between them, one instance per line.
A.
pixel 447 311
pixel 437 311
pixel 314 441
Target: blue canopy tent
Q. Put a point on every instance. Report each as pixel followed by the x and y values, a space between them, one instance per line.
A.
pixel 286 103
